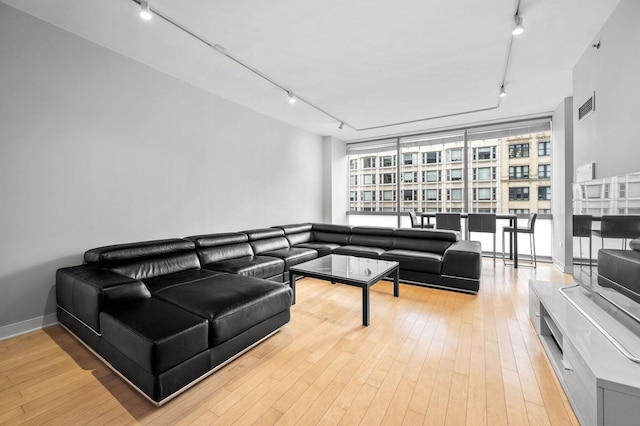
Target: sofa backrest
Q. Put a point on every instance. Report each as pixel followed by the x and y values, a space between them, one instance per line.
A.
pixel 327 233
pixel 266 239
pixel 427 240
pixel 297 233
pixel 146 259
pixel 372 236
pixel 218 247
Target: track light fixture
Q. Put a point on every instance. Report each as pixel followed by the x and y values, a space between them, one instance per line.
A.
pixel 503 92
pixel 519 28
pixel 341 125
pixel 145 12
pixel 292 98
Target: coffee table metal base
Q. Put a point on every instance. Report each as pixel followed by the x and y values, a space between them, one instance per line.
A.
pixel 365 288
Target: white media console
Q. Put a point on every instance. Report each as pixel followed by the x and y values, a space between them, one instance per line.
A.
pixel 594 348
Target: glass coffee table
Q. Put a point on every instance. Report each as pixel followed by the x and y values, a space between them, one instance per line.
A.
pixel 355 271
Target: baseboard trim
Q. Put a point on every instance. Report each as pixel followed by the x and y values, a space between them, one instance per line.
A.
pixel 561 265
pixel 23 327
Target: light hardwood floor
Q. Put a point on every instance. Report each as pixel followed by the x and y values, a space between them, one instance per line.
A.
pixel 428 357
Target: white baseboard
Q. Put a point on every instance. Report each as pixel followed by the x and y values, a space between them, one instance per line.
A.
pixel 561 266
pixel 38 323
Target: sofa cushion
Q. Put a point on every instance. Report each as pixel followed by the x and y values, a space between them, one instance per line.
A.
pixel 269 244
pixel 372 236
pixel 156 284
pixel 86 290
pixel 263 233
pixel 250 266
pixel 411 260
pixel 295 228
pixel 293 256
pixel 266 239
pixel 323 249
pixel 423 240
pixel 155 334
pixel 327 233
pixel 231 303
pixel 360 251
pixel 222 239
pixel 146 259
pixel 463 259
pixel 622 267
pixel 125 253
pixel 298 233
pixel 148 268
pixel 219 253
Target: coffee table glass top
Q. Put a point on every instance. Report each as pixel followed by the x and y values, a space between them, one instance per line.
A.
pixel 351 268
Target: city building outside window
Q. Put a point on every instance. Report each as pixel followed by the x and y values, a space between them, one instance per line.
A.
pixel 484 173
pixel 368 162
pixel 454 155
pixel 434 157
pixel 455 174
pixel 482 194
pixel 454 194
pixel 519 193
pixel 519 150
pixel 433 166
pixel 409 159
pixel 544 193
pixel 432 176
pixel 544 171
pixel 519 211
pixel 369 179
pixel 388 161
pixel 368 196
pixel 388 195
pixel 409 195
pixel 544 148
pixel 431 194
pixel 484 153
pixel 518 172
pixel 409 177
pixel 388 178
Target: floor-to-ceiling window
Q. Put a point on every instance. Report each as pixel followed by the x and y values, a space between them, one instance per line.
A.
pixel 502 168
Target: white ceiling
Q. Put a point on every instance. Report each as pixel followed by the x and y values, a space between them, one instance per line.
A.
pixel 368 62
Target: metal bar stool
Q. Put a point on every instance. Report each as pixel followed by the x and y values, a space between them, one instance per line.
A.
pixel 622 226
pixel 415 223
pixel 530 229
pixel 582 228
pixel 483 222
pixel 449 221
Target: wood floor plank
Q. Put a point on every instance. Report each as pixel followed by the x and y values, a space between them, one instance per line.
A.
pixel 428 357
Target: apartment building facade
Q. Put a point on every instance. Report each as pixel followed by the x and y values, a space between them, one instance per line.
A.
pixel 446 174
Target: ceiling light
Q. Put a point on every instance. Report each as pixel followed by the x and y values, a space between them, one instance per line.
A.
pixel 503 92
pixel 341 125
pixel 292 98
pixel 145 12
pixel 519 28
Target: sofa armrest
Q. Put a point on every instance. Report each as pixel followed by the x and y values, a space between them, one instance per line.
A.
pixel 84 291
pixel 463 259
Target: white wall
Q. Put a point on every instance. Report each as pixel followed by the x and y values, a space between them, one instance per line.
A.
pixel 561 180
pixel 335 181
pixel 98 149
pixel 609 136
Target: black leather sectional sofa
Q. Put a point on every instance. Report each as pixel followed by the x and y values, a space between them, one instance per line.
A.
pixel 165 314
pixel 620 269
